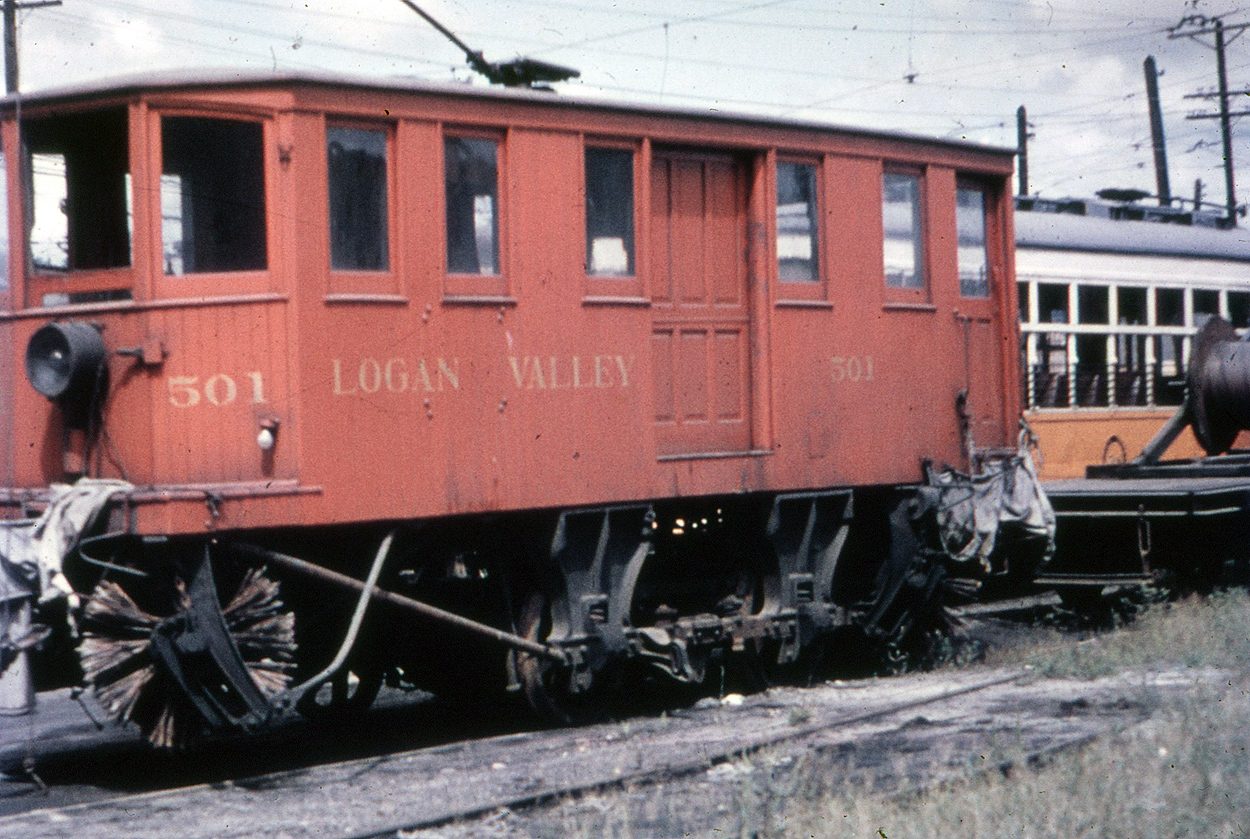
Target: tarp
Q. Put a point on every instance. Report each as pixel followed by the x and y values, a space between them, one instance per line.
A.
pixel 32 553
pixel 974 511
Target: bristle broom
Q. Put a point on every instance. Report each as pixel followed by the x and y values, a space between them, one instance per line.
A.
pixel 116 660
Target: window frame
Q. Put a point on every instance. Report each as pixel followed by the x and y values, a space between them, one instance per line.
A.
pixel 910 295
pixel 358 281
pixel 627 288
pixel 801 292
pixel 989 237
pixel 213 283
pixel 34 284
pixel 492 289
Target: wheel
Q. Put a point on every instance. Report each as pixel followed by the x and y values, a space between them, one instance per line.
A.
pixel 546 684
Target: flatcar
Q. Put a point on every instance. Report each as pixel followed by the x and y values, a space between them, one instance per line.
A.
pixel 1122 307
pixel 1111 296
pixel 313 382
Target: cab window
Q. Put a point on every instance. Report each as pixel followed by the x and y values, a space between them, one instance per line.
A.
pixel 609 212
pixel 212 195
pixel 472 189
pixel 356 162
pixel 797 215
pixel 77 181
pixel 904 231
pixel 974 280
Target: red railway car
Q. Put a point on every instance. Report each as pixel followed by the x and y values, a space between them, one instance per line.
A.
pixel 625 386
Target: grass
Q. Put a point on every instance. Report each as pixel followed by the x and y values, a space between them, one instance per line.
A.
pixel 1196 632
pixel 1183 773
pixel 1186 772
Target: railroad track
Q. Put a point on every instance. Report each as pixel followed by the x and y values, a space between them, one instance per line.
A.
pixel 397 794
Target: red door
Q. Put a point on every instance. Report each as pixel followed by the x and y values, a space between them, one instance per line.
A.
pixel 701 323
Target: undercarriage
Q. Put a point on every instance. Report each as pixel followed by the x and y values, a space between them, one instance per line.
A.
pixel 568 610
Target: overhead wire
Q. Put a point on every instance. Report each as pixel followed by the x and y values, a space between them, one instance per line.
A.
pixel 955 77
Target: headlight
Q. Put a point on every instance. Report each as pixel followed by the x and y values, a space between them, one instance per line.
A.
pixel 63 362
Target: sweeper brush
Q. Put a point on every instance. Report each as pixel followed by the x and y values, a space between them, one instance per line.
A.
pixel 194 667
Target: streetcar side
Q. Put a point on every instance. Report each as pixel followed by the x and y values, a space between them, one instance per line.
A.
pixel 591 387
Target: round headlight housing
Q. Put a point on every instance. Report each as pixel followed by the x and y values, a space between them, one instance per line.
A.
pixel 63 362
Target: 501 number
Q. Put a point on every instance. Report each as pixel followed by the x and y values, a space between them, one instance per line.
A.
pixel 218 390
pixel 851 368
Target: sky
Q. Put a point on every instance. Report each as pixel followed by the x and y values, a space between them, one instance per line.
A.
pixel 942 68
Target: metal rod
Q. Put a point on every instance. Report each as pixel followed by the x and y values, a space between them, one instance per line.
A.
pixel 1165 437
pixel 475 58
pixel 358 618
pixel 326 575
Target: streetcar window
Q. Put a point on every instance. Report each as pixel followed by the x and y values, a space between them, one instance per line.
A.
pixel 356 165
pixel 472 184
pixel 904 244
pixel 972 257
pixel 609 212
pixel 1131 304
pixel 1206 302
pixel 1091 370
pixel 1239 309
pixel 77 183
pixel 798 248
pixel 1022 291
pixel 1091 302
pixel 1169 307
pixel 1052 303
pixel 212 195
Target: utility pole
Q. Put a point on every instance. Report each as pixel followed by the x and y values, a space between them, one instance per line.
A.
pixel 1162 187
pixel 1192 27
pixel 1022 149
pixel 10 37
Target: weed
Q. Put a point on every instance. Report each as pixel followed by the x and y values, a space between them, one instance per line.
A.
pixel 799 716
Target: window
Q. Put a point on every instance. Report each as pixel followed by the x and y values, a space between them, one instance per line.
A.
pixel 356 165
pixel 1092 304
pixel 609 212
pixel 904 232
pixel 212 195
pixel 973 259
pixel 77 177
pixel 1170 306
pixel 472 184
pixel 1206 302
pixel 1239 308
pixel 1052 303
pixel 798 249
pixel 1131 304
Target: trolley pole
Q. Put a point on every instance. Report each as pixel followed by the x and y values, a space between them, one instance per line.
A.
pixel 10 37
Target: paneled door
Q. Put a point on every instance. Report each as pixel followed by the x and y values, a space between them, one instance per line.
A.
pixel 701 315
